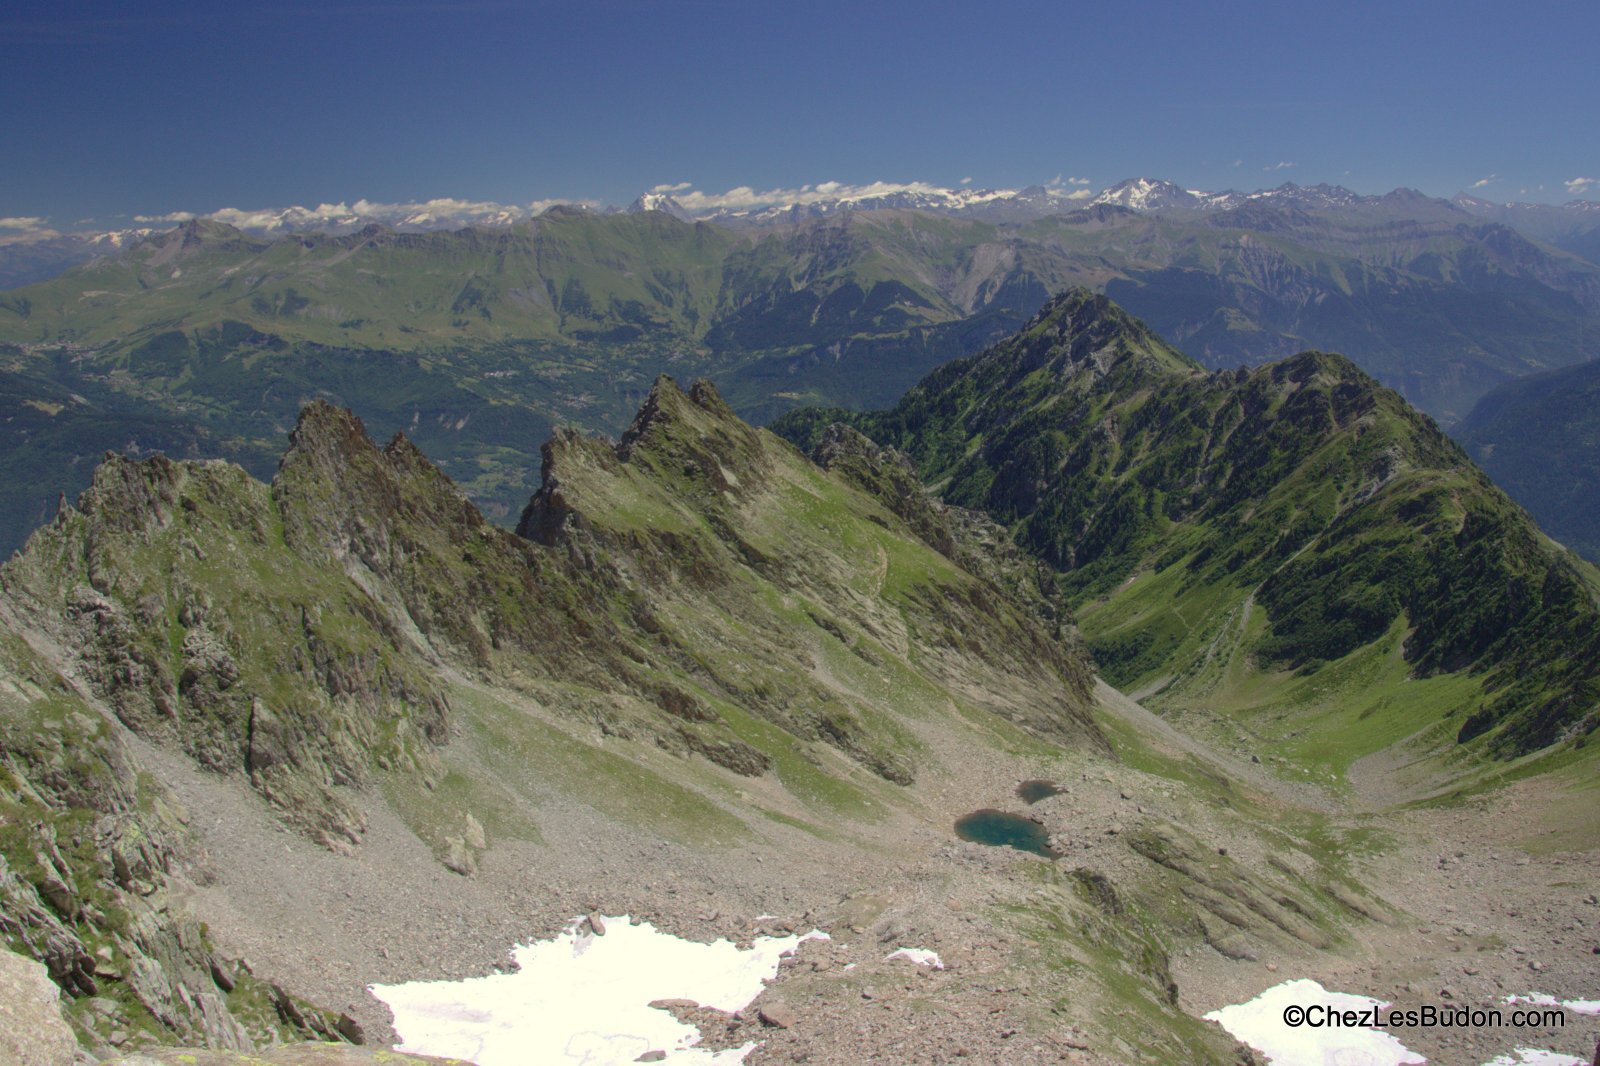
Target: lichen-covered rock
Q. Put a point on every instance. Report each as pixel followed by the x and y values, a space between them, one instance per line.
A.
pixel 32 1032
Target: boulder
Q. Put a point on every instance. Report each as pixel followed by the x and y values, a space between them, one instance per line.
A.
pixel 32 1031
pixel 777 1016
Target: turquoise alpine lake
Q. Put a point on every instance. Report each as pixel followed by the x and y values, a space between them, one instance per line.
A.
pixel 999 829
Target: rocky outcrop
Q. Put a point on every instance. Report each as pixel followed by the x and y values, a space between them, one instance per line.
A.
pixel 176 597
pixel 889 476
pixel 694 501
pixel 89 868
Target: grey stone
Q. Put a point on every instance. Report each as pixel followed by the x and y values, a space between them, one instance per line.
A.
pixel 777 1016
pixel 222 1029
pixel 32 1031
pixel 350 1029
pixel 222 975
pixel 458 858
pixel 674 1004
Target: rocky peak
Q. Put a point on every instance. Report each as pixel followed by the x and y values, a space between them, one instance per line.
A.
pixel 132 495
pixel 336 486
pixel 694 436
pixel 1081 330
pixel 665 404
pixel 551 512
pixel 1329 367
pixel 659 202
pixel 195 236
pixel 1148 194
pixel 326 436
pixel 689 444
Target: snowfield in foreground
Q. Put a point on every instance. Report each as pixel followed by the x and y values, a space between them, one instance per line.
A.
pixel 1260 1024
pixel 581 998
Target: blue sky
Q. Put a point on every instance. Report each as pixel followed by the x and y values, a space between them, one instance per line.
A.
pixel 116 109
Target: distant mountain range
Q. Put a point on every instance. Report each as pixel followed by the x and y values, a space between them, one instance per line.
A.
pixel 1574 226
pixel 206 338
pixel 991 205
pixel 29 257
pixel 1539 438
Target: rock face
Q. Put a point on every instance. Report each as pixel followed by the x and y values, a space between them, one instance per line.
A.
pixel 31 1030
pixel 86 871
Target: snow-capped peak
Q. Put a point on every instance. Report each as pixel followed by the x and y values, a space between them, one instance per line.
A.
pixel 1151 194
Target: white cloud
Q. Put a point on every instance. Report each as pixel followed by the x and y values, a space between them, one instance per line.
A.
pixel 443 209
pixel 25 223
pixel 1481 182
pixel 450 211
pixel 439 211
pixel 1579 186
pixel 1280 166
pixel 1238 162
pixel 744 197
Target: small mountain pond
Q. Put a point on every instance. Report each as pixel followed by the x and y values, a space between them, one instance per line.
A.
pixel 999 829
pixel 1037 789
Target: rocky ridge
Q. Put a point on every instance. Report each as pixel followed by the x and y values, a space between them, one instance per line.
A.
pixel 306 638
